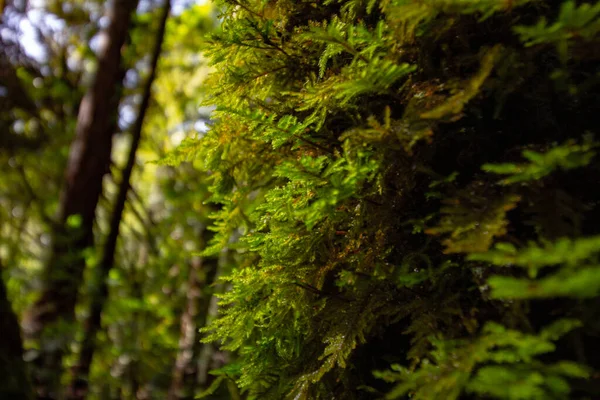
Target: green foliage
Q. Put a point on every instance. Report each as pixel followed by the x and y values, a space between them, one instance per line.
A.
pixel 347 150
pixel 472 225
pixel 576 272
pixel 500 363
pixel 581 22
pixel 567 156
pixel 454 105
pixel 402 194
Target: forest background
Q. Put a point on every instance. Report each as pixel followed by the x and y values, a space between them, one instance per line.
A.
pixel 275 199
pixel 51 53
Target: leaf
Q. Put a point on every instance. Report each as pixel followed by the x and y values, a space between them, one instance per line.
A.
pixel 567 156
pixel 471 224
pixel 454 105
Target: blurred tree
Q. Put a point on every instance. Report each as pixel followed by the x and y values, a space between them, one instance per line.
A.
pixel 201 277
pixel 51 61
pixel 14 378
pixel 79 386
pixel 88 162
pixel 162 217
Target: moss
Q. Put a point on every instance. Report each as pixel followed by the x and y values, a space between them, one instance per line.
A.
pixel 377 157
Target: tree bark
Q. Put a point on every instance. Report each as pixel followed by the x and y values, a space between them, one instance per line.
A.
pixel 14 379
pixel 78 388
pixel 89 161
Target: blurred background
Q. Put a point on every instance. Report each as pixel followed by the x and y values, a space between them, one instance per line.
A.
pixel 100 241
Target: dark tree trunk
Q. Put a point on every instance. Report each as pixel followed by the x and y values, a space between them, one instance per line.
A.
pixel 202 275
pixel 14 380
pixel 89 161
pixel 79 385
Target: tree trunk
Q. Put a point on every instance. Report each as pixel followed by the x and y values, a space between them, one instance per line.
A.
pixel 79 385
pixel 185 371
pixel 89 160
pixel 14 380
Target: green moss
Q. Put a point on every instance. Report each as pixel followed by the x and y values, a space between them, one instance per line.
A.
pixel 337 124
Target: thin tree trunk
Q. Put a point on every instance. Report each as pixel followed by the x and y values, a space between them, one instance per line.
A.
pixel 185 371
pixel 14 380
pixel 89 161
pixel 79 385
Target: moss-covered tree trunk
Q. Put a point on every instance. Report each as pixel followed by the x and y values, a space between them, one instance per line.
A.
pixel 417 183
